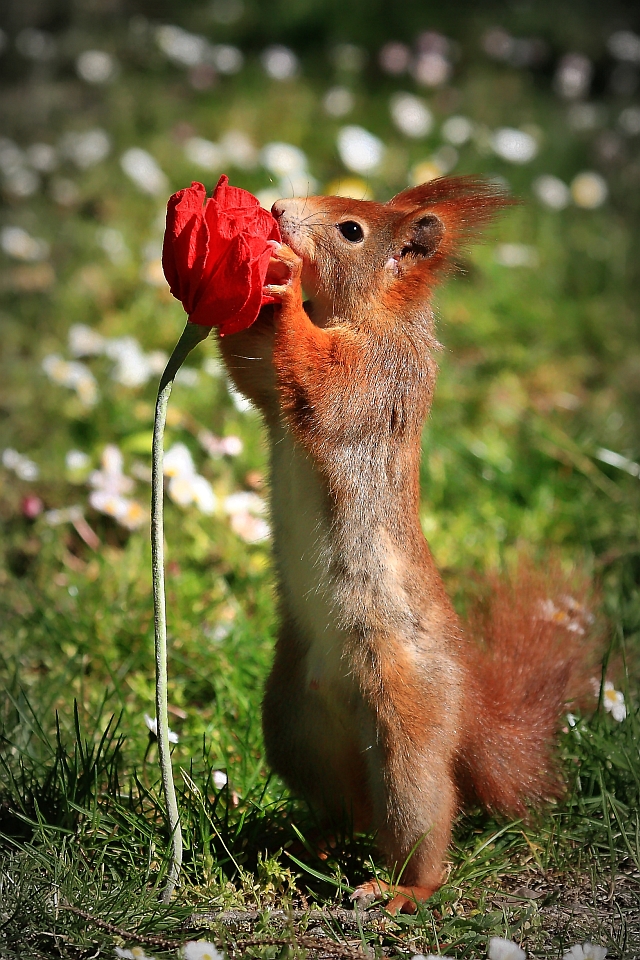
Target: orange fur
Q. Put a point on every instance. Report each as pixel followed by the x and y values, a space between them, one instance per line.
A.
pixel 380 701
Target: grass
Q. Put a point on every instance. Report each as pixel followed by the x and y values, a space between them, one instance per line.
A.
pixel 538 374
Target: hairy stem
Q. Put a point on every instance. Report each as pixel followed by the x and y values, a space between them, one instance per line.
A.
pixel 191 336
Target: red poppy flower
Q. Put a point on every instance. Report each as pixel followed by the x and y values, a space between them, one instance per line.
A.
pixel 216 253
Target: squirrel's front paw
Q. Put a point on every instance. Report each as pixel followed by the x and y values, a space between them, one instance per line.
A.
pixel 283 272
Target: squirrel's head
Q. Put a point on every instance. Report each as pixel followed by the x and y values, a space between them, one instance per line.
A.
pixel 357 253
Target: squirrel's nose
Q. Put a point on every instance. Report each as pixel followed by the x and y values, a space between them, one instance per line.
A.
pixel 278 208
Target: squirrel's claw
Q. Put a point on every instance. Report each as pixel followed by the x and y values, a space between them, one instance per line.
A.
pixel 403 900
pixel 365 894
pixel 283 271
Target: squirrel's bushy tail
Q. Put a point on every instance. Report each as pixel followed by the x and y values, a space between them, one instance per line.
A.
pixel 536 648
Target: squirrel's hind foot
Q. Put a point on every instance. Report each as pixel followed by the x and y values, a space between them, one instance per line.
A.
pixel 403 899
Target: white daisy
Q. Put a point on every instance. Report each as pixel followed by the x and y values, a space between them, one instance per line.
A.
pixel 152 724
pixel 500 949
pixel 201 950
pixel 585 951
pixel 612 699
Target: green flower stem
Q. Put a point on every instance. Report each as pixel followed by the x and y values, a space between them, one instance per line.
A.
pixel 191 336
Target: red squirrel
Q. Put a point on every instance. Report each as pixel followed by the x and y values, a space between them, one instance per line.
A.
pixel 380 701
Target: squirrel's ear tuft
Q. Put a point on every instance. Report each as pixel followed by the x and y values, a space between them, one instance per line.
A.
pixel 452 211
pixel 462 204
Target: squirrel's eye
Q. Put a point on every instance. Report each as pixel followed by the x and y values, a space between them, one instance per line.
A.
pixel 351 231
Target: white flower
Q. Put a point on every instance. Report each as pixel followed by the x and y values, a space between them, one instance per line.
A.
pixel 625 45
pixel 227 58
pixel 573 76
pixel 42 157
pixel 500 949
pixel 571 615
pixel 612 699
pixel 244 502
pixel 86 149
pixel 338 101
pixel 394 57
pixel 411 115
pixel 220 446
pixel 132 366
pixel 359 150
pixel 85 342
pixel 280 62
pixel 72 373
pixel 76 460
pixel 185 49
pixel 251 529
pixel 19 244
pixel 290 164
pixel 136 953
pixel 219 779
pixel 239 149
pixel 513 145
pixel 95 66
pixel 152 724
pixel 157 361
pixel 204 153
pixel 144 171
pixel 178 461
pixel 231 446
pixel 201 950
pixel 21 183
pixel 245 509
pixel 552 191
pixel 203 495
pixel 457 130
pixel 111 478
pixel 283 159
pixel 113 244
pixel 187 376
pixel 22 467
pixel 516 255
pixel 589 190
pixel 185 485
pixel 66 515
pixel 585 951
pixel 128 513
pixel 431 69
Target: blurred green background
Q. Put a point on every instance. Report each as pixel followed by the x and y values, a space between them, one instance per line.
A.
pixel 108 107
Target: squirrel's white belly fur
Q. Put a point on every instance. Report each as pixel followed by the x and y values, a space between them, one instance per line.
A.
pixel 302 536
